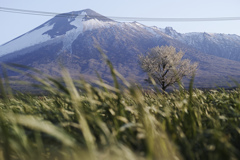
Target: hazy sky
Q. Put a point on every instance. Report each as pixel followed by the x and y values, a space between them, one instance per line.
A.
pixel 14 24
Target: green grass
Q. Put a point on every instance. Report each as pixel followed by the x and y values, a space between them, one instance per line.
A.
pixel 78 120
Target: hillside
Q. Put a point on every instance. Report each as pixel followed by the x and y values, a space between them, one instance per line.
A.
pixel 70 39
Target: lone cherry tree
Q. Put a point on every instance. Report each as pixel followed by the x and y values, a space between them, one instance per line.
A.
pixel 165 66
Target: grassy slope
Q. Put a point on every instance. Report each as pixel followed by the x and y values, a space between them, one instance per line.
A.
pixel 105 122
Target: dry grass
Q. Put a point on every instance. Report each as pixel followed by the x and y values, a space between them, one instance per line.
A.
pixel 78 120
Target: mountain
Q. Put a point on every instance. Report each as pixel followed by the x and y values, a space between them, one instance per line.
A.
pixel 70 39
pixel 221 45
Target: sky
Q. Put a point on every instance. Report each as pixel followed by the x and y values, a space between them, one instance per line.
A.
pixel 15 24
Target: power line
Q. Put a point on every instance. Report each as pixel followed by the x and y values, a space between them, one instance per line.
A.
pixel 32 12
pixel 42 13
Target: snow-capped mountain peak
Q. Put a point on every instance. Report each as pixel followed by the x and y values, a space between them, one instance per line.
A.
pixel 71 38
pixel 63 27
pixel 66 28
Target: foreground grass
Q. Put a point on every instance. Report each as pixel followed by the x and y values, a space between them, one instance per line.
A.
pixel 81 121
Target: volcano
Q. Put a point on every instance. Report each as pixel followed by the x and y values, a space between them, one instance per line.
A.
pixel 70 39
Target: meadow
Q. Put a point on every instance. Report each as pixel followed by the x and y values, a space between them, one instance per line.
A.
pixel 79 120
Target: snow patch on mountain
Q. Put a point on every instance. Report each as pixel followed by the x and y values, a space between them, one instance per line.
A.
pixel 81 26
pixel 151 30
pixel 217 44
pixel 94 24
pixel 78 20
pixel 29 39
pixel 71 35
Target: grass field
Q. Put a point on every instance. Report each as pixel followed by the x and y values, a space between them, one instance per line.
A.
pixel 78 120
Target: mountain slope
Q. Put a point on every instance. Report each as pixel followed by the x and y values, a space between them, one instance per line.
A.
pixel 70 39
pixel 221 45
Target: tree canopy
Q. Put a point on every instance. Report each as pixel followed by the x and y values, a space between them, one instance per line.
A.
pixel 165 66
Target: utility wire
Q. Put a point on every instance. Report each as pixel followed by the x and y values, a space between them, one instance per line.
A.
pixel 42 13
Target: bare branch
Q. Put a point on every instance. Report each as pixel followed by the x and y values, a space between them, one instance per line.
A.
pixel 166 66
